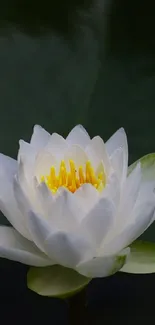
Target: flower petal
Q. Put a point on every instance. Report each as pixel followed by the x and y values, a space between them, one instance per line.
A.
pixel 96 152
pixel 141 209
pixel 117 162
pixel 27 152
pixel 87 196
pixel 26 206
pixel 65 212
pixel 78 136
pixel 130 193
pixel 57 146
pixel 15 247
pixel 39 137
pixel 24 201
pixel 103 266
pixel 68 249
pixel 62 214
pixel 44 198
pixel 112 189
pixel 142 216
pixel 43 163
pixel 117 140
pixel 77 154
pixel 39 228
pixel 8 205
pixel 125 214
pixel 99 220
pixel 8 166
pixel 62 209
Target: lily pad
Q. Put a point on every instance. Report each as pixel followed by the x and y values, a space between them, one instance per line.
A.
pixel 141 259
pixel 55 281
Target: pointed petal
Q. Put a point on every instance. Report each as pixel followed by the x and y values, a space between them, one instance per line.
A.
pixel 26 160
pixel 57 146
pixel 14 216
pixel 39 228
pixel 143 215
pixel 103 266
pixel 44 198
pixel 62 210
pixel 112 189
pixel 125 214
pixel 8 166
pixel 117 162
pixel 130 193
pixel 8 205
pixel 39 137
pixel 87 196
pixel 77 154
pixel 43 163
pixel 26 151
pixel 68 249
pixel 96 152
pixel 99 220
pixel 25 175
pixel 117 140
pixel 24 201
pixel 78 136
pixel 64 213
pixel 15 247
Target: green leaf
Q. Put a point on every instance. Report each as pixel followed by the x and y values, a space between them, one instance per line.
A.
pixel 141 259
pixel 120 261
pixel 55 281
pixel 147 164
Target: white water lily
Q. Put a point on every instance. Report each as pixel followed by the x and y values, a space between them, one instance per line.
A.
pixel 71 203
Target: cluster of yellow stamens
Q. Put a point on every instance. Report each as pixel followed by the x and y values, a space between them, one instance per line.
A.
pixel 73 178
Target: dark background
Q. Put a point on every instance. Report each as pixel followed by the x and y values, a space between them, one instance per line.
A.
pixel 64 63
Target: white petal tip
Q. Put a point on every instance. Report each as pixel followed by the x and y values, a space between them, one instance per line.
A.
pixel 121 129
pixel 37 127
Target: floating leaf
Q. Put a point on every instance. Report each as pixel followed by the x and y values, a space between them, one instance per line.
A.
pixel 141 258
pixel 55 281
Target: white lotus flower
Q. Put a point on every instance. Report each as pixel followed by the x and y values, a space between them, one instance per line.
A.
pixel 71 203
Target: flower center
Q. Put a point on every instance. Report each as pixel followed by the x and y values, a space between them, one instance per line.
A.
pixel 74 178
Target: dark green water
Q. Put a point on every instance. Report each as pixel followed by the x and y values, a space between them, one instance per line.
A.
pixel 59 68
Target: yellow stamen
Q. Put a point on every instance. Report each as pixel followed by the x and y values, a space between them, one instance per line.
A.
pixel 74 178
pixel 52 177
pixel 81 175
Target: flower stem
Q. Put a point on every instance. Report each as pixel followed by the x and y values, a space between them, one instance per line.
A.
pixel 78 309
